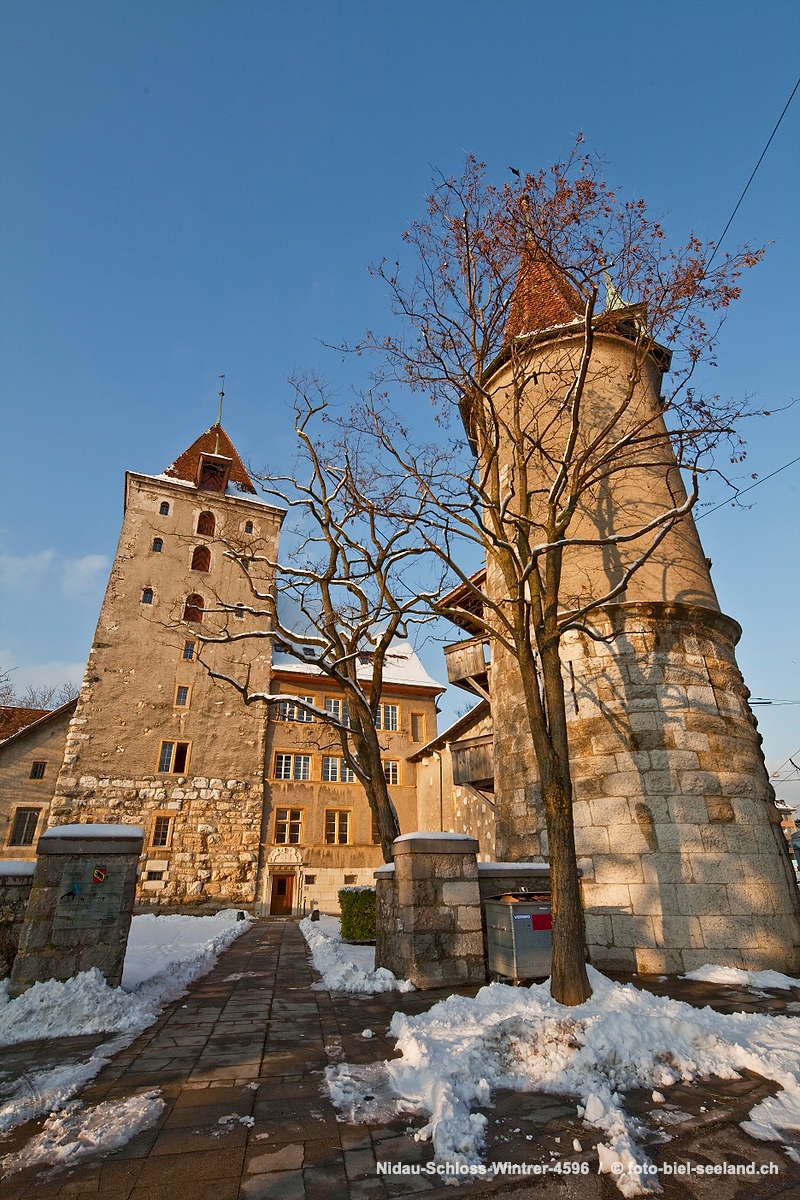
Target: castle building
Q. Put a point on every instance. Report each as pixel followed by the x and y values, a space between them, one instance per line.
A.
pixel 677 833
pixel 318 829
pixel 241 804
pixel 154 740
pixel 31 752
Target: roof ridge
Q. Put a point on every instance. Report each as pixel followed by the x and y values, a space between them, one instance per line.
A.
pixel 215 441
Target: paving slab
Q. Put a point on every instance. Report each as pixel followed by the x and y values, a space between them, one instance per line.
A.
pixel 239 1063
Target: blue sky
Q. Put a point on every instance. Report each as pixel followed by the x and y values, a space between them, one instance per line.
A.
pixel 197 188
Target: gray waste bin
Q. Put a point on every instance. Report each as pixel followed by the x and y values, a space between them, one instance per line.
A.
pixel 519 935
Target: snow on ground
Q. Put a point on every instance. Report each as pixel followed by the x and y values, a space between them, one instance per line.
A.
pixel 165 954
pixel 76 1132
pixel 454 1055
pixel 736 976
pixel 346 968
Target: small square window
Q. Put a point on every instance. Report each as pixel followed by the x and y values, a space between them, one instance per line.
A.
pixel 24 828
pixel 288 823
pixel 188 651
pixel 150 876
pixel 173 758
pixel 38 769
pixel 310 880
pixel 350 879
pixel 164 508
pixel 337 827
pixel 162 831
pixel 391 771
pixel 147 596
pixel 182 696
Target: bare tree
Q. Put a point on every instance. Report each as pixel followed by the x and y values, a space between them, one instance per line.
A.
pixel 580 469
pixel 344 588
pixel 47 696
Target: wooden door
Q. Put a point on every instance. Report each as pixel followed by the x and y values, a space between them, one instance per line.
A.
pixel 281 899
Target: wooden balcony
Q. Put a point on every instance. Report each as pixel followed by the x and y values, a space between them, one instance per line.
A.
pixel 467 664
pixel 473 762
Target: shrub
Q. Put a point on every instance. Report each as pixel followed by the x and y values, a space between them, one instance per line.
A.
pixel 358 914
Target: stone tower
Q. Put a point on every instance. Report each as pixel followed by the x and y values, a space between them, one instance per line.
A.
pixel 676 831
pixel 154 740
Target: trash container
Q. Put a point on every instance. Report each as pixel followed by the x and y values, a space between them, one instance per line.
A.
pixel 519 935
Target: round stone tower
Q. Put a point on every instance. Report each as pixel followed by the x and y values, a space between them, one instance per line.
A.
pixel 677 835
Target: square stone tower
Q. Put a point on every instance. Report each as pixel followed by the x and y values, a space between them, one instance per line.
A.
pixel 676 828
pixel 155 741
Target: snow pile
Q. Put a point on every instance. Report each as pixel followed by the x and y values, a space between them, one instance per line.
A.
pixel 76 1132
pixel 164 955
pixel 454 1055
pixel 346 968
pixel 736 976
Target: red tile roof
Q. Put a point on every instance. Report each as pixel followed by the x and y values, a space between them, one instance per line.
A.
pixel 543 297
pixel 214 441
pixel 13 718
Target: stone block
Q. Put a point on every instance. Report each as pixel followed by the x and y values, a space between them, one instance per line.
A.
pixel 581 813
pixel 714 869
pixel 612 811
pixel 660 783
pixel 730 933
pixel 605 898
pixel 664 868
pixel 619 868
pixel 612 958
pixel 598 929
pixel 592 840
pixel 466 892
pixel 627 839
pixel 624 783
pixel 651 899
pixel 692 959
pixel 714 841
pixel 634 931
pixel 755 898
pixel 468 918
pixel 658 962
pixel 634 760
pixel 701 899
pixel 699 783
pixel 680 932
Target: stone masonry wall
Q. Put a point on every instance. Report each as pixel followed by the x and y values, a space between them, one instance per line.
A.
pixel 677 836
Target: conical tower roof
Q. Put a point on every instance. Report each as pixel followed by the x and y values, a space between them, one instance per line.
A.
pixel 543 296
pixel 214 442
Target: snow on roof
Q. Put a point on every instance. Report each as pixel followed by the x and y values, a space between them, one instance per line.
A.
pixel 93 830
pixel 232 489
pixel 215 442
pixel 401 667
pixel 17 866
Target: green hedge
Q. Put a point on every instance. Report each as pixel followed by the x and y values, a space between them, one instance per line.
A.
pixel 358 914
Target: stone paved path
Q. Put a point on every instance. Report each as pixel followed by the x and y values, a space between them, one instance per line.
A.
pixel 251 1041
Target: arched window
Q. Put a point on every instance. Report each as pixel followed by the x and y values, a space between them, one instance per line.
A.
pixel 201 559
pixel 158 545
pixel 147 596
pixel 248 526
pixel 206 524
pixel 164 509
pixel 193 609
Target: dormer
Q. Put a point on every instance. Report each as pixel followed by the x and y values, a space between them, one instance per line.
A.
pixel 213 472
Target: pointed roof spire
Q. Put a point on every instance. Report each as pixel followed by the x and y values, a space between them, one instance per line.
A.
pixel 543 296
pixel 216 443
pixel 613 298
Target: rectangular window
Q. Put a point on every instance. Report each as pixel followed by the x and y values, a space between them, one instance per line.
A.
pixel 38 769
pixel 173 758
pixel 337 827
pixel 162 831
pixel 293 766
pixel 151 876
pixel 23 830
pixel 289 711
pixel 330 769
pixel 182 696
pixel 310 880
pixel 386 717
pixel 350 879
pixel 302 767
pixel 391 771
pixel 418 727
pixel 188 651
pixel 336 770
pixel 288 826
pixel 337 709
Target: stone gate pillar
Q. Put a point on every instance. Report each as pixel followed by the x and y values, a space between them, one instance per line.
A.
pixel 429 911
pixel 79 913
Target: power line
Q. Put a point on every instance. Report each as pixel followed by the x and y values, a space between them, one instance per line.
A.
pixel 753 175
pixel 741 491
